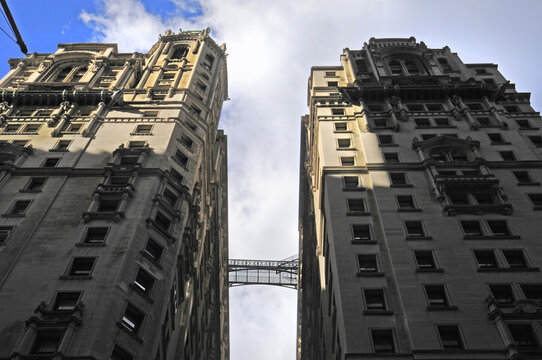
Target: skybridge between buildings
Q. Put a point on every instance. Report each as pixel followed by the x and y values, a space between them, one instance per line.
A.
pixel 264 272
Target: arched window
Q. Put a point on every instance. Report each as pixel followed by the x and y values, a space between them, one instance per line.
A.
pixel 63 73
pixel 405 66
pixel 179 52
pixel 79 74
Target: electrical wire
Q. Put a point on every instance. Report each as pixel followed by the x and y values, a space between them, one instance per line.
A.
pixel 5 18
pixel 5 32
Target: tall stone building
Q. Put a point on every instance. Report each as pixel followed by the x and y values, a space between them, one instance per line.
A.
pixel 113 203
pixel 419 209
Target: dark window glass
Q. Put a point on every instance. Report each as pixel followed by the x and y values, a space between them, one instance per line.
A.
pixel 536 199
pixel 132 318
pixel 391 157
pixel 5 231
pixel 32 128
pixel 136 144
pixel 483 198
pixel 46 342
pixel 361 232
pixel 153 250
pixel 474 106
pixel 351 182
pixel 385 139
pixel 486 259
pixel 383 341
pixel 495 138
pixel 367 263
pixel 162 221
pixel 143 129
pixel 66 300
pixel 120 354
pixel 406 202
pixel 356 205
pixel 502 293
pixel 536 139
pixel 108 205
pixel 341 126
pixel 436 295
pixel 511 108
pixel 51 162
pixel 176 176
pixel 96 235
pixel 144 281
pixel 515 259
pixel 459 198
pixel 499 227
pixel 120 180
pixel 471 227
pixel 169 197
pixel 128 160
pixel 20 207
pixel 347 161
pixel 337 111
pixel 458 156
pixel 442 122
pixel 63 145
pixel 425 259
pixel 343 143
pixel 395 67
pixel 374 299
pixel 522 177
pixel 415 107
pixel 186 141
pixel 380 123
pixel 398 179
pixel 523 335
pixel 524 124
pixel 82 266
pixel 532 291
pixel 36 183
pixel 21 143
pixel 434 107
pixel 11 128
pixel 450 337
pixel 484 121
pixel 428 136
pixel 422 122
pixel 332 83
pixel 411 67
pixel 414 228
pixel 507 155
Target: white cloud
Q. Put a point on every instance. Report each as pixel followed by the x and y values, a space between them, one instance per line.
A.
pixel 271 46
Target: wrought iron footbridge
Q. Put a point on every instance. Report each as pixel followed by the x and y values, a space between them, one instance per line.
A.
pixel 264 272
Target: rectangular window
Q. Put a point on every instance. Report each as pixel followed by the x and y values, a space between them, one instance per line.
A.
pixel 380 123
pixel 436 295
pixel 74 128
pixel 347 161
pixel 391 157
pixel 108 205
pixel 82 266
pixel 486 259
pixel 511 108
pixel 176 176
pixel 427 136
pixel 536 199
pixel 406 202
pixel 356 205
pixel 496 138
pixel 340 126
pixel 425 259
pixel 19 207
pixel 119 180
pixel 433 107
pixel 119 353
pixel 153 250
pixel 442 122
pixel 523 335
pixel 66 300
pixel 532 291
pixel 415 107
pixel 458 198
pixel 337 111
pixel 523 177
pixel 143 129
pixel 332 83
pixel 383 341
pixel 21 143
pixel 35 183
pixel 367 263
pixel 385 140
pixel 502 293
pixel 5 232
pixel 375 300
pixel 361 232
pixel 422 122
pixel 144 281
pixel 398 179
pixel 46 342
pixel 536 140
pixel 330 73
pixel 136 144
pixel 484 121
pixel 62 145
pixel 186 141
pixel 32 128
pixel 170 198
pixel 132 319
pixel 507 155
pixel 471 227
pixel 181 159
pixel 96 235
pixel 524 124
pixel 515 259
pixel 450 337
pixel 474 106
pixel 50 162
pixel 12 128
pixel 343 143
pixel 351 182
pixel 129 160
pixel 162 221
pixel 499 227
pixel 415 229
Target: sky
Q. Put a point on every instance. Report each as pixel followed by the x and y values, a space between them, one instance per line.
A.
pixel 271 46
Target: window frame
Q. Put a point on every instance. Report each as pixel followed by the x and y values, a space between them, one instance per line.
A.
pixel 385 307
pixel 462 342
pixel 423 236
pixel 393 338
pixel 68 274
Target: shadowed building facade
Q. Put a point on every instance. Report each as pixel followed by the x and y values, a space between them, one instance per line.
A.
pixel 113 203
pixel 419 209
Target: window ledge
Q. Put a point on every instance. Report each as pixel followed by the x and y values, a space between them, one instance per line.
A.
pixel 485 237
pixel 30 191
pixel 165 233
pixel 141 293
pixel 401 185
pixel 354 189
pixel 346 149
pixel 411 238
pixel 364 242
pixel 537 208
pixel 370 274
pixel 141 134
pixel 13 215
pixel 378 312
pixel 529 128
pixel 129 332
pixel 75 277
pixel 529 184
pixel 525 269
pixel 358 213
pixel 343 131
pixel 441 308
pixel 90 244
pixel 153 261
pixel 429 270
pixel 409 210
pixel 501 143
pixel 388 145
pixel 59 150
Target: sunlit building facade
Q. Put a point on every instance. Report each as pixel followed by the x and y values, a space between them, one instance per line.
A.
pixel 420 205
pixel 113 203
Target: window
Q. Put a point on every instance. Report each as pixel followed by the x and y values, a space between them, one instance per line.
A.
pixel 523 335
pixel 82 266
pixel 367 263
pixel 119 180
pixel 474 106
pixel 436 295
pixel 383 341
pixel 343 143
pixel 331 73
pixel 5 232
pixel 496 138
pixel 340 126
pixel 471 227
pixel 425 260
pixel 143 129
pixel 375 107
pixel 337 111
pixel 332 83
pixel 486 259
pixel 153 250
pixel 19 207
pixel 385 140
pixel 11 128
pixel 523 178
pixel 119 353
pixel 96 235
pixel 144 281
pixel 347 161
pixel 356 205
pixel 484 121
pixel 499 227
pixel 62 145
pixel 446 68
pixel 186 141
pixel 170 198
pixel 507 155
pixel 415 107
pixel 361 232
pixel 511 108
pixel 515 259
pixel 66 300
pixel 536 140
pixel 208 63
pixel 415 229
pixel 380 123
pixel 181 159
pixel 391 157
pixel 434 107
pixel 199 84
pixel 84 111
pixel 422 122
pixel 136 144
pixel 351 182
pixel 489 81
pixel 35 183
pixel 450 337
pixel 442 122
pixel 162 221
pixel 50 162
pixel 132 319
pixel 74 128
pixel 150 114
pixel 502 293
pixel 532 291
pixel 375 300
pixel 481 71
pixel 176 176
pixel 536 199
pixel 46 342
pixel 524 124
pixel 21 143
pixel 108 205
pixel 398 179
pixel 406 202
pixel 129 160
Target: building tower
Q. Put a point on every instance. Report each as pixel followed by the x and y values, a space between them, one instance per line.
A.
pixel 420 185
pixel 113 203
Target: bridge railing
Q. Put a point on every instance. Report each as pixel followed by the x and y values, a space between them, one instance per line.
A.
pixel 263 272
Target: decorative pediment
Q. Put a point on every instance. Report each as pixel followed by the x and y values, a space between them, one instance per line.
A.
pixel 445 142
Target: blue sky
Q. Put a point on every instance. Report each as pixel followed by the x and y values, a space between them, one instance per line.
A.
pixel 271 47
